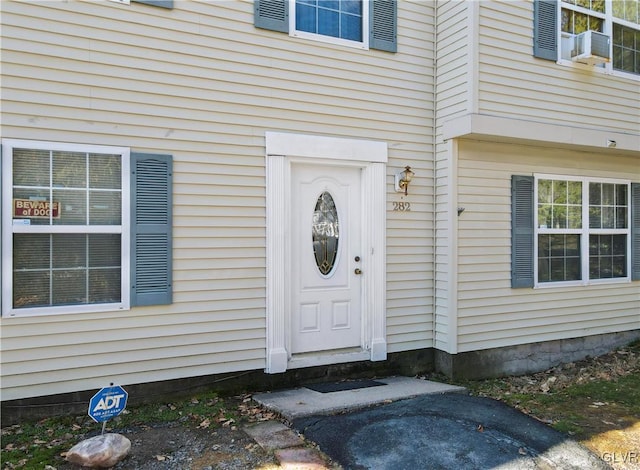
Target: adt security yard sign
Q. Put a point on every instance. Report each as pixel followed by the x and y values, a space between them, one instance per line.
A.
pixel 107 403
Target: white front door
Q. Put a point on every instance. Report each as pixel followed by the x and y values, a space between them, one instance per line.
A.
pixel 326 259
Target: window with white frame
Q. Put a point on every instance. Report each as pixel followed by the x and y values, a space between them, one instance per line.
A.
pixel 341 20
pixel 364 24
pixel 85 228
pixel 582 230
pixel 619 19
pixel 65 226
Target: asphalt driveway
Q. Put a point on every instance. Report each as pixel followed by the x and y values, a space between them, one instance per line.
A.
pixel 443 431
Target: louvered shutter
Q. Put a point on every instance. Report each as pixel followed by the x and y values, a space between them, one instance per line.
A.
pixel 635 231
pixel 157 3
pixel 383 25
pixel 151 224
pixel 522 231
pixel 271 14
pixel 545 29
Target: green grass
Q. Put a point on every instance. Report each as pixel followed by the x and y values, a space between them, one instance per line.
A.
pixel 625 391
pixel 34 445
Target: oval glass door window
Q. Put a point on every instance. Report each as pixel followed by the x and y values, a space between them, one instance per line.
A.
pixel 325 233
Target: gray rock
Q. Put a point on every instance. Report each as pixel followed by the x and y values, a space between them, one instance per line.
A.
pixel 100 451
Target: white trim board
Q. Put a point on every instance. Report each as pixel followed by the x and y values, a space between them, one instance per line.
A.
pixel 281 150
pixel 333 148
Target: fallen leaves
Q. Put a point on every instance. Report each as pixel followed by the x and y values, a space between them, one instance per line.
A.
pixel 249 410
pixel 546 386
pixel 608 367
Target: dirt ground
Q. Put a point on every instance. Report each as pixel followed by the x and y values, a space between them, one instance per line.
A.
pixel 180 448
pixel 183 445
pixel 611 432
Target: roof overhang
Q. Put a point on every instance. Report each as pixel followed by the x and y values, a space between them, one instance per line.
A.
pixel 521 131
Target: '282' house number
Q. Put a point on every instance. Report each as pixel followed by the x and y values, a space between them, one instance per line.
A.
pixel 401 206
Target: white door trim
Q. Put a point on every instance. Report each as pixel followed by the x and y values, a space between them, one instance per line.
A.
pixel 281 150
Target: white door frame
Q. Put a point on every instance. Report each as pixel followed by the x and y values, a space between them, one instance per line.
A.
pixel 281 150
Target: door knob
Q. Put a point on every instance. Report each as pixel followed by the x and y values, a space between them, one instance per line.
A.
pixel 357 271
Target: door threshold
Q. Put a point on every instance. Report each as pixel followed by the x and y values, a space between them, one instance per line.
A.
pixel 323 358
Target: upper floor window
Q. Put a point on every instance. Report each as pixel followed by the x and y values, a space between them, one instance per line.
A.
pixel 365 24
pixel 626 48
pixel 618 19
pixel 341 19
pixel 614 44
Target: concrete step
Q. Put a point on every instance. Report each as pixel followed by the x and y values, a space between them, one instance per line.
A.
pixel 301 402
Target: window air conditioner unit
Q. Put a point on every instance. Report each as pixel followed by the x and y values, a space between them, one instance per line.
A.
pixel 591 47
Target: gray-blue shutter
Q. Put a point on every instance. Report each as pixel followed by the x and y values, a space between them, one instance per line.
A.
pixel 545 29
pixel 635 231
pixel 522 231
pixel 383 25
pixel 157 3
pixel 271 14
pixel 151 226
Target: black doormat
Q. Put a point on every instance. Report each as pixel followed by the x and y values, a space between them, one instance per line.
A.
pixel 329 387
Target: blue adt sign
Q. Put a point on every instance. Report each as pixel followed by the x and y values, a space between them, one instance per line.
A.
pixel 107 403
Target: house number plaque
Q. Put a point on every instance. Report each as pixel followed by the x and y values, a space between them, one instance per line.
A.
pixel 401 206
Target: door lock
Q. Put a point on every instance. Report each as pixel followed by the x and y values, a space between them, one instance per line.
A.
pixel 357 271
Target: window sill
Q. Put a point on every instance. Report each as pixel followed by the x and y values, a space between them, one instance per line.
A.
pixel 330 40
pixel 591 282
pixel 606 70
pixel 63 310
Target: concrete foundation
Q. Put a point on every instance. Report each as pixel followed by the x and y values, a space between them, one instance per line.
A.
pixel 408 363
pixel 528 358
pixel 513 360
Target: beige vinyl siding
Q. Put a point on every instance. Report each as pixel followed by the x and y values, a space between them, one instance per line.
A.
pixel 410 234
pixel 453 98
pixel 492 314
pixel 199 82
pixel 512 83
pixel 453 56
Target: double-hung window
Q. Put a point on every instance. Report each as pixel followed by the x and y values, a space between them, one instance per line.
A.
pixel 65 227
pixel 558 23
pixel 626 35
pixel 582 230
pixel 364 24
pixel 574 230
pixel 341 21
pixel 72 242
